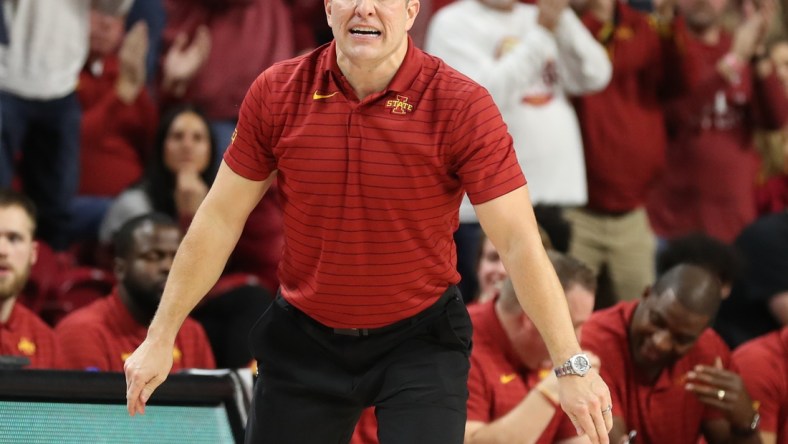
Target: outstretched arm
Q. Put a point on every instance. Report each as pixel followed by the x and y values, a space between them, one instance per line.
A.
pixel 510 224
pixel 200 260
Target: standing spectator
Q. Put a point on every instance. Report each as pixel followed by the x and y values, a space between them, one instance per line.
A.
pixel 709 182
pixel 666 368
pixel 624 139
pixel 246 37
pixel 758 303
pixel 39 67
pixel 772 191
pixel 530 58
pixel 767 384
pixel 22 333
pixel 100 336
pixel 118 121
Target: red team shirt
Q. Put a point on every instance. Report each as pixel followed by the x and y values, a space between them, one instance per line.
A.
pixel 498 381
pixel 664 412
pixel 103 334
pixel 371 189
pixel 763 365
pixel 25 334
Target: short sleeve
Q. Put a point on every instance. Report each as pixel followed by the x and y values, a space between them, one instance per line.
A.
pixel 483 151
pixel 250 153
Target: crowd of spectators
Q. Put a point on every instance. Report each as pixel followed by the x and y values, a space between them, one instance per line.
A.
pixel 654 138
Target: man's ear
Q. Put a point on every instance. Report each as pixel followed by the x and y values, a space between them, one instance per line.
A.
pixel 327 5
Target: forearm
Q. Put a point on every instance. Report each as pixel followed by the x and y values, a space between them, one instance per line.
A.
pixel 196 268
pixel 511 226
pixel 524 424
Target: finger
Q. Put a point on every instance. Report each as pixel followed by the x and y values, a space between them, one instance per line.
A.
pixel 608 420
pixel 718 362
pixel 132 396
pixel 600 425
pixel 586 422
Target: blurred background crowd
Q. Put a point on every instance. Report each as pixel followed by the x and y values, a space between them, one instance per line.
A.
pixel 652 133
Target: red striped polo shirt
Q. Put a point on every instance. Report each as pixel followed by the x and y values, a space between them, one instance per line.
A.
pixel 371 188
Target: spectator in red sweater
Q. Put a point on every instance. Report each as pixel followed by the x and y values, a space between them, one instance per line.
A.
pixel 709 182
pixel 119 118
pixel 624 139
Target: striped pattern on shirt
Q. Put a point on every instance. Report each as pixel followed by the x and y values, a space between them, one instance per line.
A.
pixel 371 189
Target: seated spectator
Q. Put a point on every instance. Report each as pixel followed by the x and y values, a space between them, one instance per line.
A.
pixel 119 118
pixel 177 181
pixel 768 385
pixel 22 333
pixel 490 272
pixel 100 336
pixel 704 251
pixel 513 390
pixel 666 368
pixel 178 178
pixel 758 303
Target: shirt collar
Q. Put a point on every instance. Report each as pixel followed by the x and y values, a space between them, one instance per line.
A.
pixel 400 83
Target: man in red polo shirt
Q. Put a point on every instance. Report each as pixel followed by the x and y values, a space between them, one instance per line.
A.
pixel 767 384
pixel 372 142
pixel 100 336
pixel 22 333
pixel 666 368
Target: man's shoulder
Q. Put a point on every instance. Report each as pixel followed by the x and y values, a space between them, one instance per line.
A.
pixel 85 319
pixel 29 318
pixel 294 70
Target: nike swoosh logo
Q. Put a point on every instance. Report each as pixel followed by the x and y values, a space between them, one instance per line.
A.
pixel 505 379
pixel 317 96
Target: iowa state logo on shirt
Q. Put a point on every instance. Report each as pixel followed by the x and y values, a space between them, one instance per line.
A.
pixel 399 105
pixel 26 347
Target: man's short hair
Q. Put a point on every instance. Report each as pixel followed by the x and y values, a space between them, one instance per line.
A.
pixel 570 271
pixel 123 239
pixel 11 198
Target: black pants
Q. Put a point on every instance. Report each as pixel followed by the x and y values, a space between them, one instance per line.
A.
pixel 313 383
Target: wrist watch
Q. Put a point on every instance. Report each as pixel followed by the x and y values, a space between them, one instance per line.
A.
pixel 578 364
pixel 751 429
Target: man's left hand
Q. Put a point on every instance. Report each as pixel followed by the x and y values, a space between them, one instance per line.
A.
pixel 723 389
pixel 586 400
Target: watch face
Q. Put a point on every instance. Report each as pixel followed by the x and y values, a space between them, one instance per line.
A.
pixel 580 364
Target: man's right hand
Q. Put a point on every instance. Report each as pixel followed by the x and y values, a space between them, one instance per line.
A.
pixel 145 370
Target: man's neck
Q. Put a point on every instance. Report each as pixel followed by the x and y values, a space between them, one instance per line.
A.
pixel 373 77
pixel 142 316
pixel 6 307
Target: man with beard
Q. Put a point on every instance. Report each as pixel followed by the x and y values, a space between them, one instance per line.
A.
pixel 100 336
pixel 22 333
pixel 667 369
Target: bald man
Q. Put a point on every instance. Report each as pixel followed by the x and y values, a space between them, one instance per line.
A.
pixel 667 369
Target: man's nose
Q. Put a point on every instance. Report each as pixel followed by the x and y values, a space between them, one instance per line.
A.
pixel 662 340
